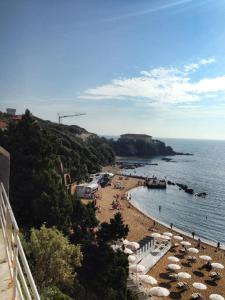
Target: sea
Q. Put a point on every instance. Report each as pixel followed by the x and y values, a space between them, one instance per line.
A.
pixel 203 172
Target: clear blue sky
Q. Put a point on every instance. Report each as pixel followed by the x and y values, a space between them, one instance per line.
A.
pixel 143 66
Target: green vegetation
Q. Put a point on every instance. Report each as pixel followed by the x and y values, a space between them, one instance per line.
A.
pixel 80 152
pixel 127 147
pixel 69 252
pixel 53 258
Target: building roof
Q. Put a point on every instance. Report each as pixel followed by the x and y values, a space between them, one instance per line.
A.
pixel 3 124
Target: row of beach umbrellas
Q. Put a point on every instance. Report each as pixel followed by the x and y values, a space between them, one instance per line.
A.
pixel 158 291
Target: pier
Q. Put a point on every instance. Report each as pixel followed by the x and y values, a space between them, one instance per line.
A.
pixel 154 183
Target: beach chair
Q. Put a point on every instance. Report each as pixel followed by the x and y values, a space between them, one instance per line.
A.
pixel 196 296
pixel 173 277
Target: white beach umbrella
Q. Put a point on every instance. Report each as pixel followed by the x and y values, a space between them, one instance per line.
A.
pixel 168 234
pixel 165 237
pixel 126 242
pixel 216 297
pixel 137 268
pixel 128 251
pixel 205 257
pixel 148 279
pixel 183 275
pixel 173 258
pixel 185 243
pixel 199 286
pixel 193 250
pixel 178 237
pixel 131 258
pixel 217 265
pixel 156 235
pixel 173 267
pixel 159 291
pixel 133 246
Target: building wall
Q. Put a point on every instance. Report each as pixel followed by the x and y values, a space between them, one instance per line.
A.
pixel 137 137
pixel 11 111
pixel 4 168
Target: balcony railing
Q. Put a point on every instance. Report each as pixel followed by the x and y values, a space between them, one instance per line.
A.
pixel 23 284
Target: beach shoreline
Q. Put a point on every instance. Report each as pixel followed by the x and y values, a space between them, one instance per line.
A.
pixel 142 225
pixel 136 183
pixel 175 229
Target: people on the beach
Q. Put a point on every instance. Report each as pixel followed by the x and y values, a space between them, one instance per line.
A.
pixel 199 243
pixel 115 204
pixel 171 226
pixel 193 234
pixel 218 246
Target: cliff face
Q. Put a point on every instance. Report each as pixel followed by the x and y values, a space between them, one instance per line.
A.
pixel 123 147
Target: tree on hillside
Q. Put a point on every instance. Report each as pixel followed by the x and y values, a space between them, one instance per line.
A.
pixel 113 231
pixel 110 267
pixel 103 273
pixel 83 222
pixel 53 259
pixel 36 190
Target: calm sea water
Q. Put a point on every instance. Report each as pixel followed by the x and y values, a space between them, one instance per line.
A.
pixel 204 172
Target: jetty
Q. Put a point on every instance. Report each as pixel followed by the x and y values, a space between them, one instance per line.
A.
pixel 154 183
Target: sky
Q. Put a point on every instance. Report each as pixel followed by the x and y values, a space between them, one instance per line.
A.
pixel 133 66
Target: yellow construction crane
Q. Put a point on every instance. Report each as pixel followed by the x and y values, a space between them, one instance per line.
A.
pixel 68 116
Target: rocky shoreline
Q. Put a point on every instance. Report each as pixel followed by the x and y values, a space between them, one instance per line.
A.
pixel 187 189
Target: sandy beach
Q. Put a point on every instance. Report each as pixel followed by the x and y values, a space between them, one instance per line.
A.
pixel 139 225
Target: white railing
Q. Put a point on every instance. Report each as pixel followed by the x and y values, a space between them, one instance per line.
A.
pixel 24 287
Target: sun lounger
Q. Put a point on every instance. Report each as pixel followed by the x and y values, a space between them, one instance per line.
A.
pixel 215 275
pixel 196 296
pixel 173 277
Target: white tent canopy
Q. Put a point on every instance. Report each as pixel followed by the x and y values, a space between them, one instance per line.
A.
pixel 168 234
pixel 205 257
pixel 216 297
pixel 159 291
pixel 199 286
pixel 183 275
pixel 217 265
pixel 128 251
pixel 126 242
pixel 133 246
pixel 132 258
pixel 148 279
pixel 173 267
pixel 185 243
pixel 165 237
pixel 156 235
pixel 193 250
pixel 178 237
pixel 173 259
pixel 137 268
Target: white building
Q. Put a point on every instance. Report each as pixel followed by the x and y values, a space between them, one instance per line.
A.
pixel 11 111
pixel 86 190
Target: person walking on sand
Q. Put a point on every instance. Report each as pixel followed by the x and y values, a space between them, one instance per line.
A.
pixel 193 234
pixel 218 246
